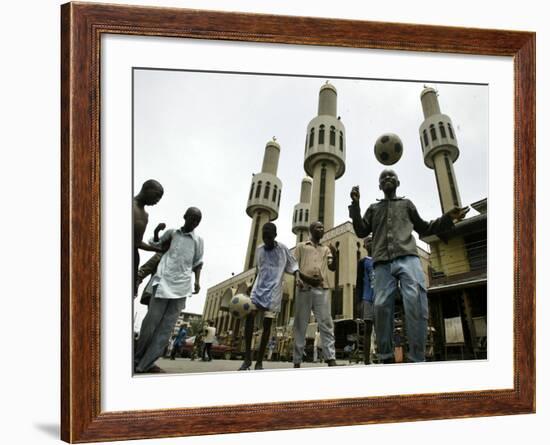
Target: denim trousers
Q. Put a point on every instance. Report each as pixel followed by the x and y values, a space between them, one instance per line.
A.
pixel 316 300
pixel 403 274
pixel 156 330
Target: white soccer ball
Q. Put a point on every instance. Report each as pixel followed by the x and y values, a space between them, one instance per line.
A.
pixel 240 306
pixel 388 149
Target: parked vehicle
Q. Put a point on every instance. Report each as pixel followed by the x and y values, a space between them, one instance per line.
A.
pixel 219 351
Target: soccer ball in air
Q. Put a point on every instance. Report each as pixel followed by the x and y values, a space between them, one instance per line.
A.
pixel 240 306
pixel 388 149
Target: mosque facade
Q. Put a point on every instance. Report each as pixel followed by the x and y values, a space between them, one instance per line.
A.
pixel 455 267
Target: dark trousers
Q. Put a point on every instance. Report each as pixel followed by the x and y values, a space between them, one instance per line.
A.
pixel 175 350
pixel 206 351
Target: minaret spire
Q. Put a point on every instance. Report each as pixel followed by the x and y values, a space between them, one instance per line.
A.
pixel 440 148
pixel 301 216
pixel 264 199
pixel 325 155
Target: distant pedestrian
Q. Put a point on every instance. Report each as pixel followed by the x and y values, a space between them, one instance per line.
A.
pixel 209 337
pixel 197 346
pixel 178 342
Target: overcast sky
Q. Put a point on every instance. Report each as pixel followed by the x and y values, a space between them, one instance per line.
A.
pixel 203 135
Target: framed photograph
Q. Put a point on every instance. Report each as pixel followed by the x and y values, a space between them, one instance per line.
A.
pixel 187 131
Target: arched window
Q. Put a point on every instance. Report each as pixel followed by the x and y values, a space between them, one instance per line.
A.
pixel 332 136
pixel 295 215
pixel 258 189
pixel 433 133
pixel 442 130
pixel 425 138
pixel 450 131
pixel 305 149
pixel 311 137
pixel 274 198
pixel 341 141
pixel 266 191
pixel 279 199
pixel 301 217
pixel 321 134
pixel 251 191
pixel 307 215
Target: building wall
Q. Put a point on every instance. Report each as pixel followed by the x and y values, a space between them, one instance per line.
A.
pixel 450 258
pixel 458 290
pixel 350 250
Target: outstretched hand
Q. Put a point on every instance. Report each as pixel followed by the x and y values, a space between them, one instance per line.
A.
pixel 354 194
pixel 458 213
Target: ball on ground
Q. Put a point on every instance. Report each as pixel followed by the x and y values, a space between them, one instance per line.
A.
pixel 388 149
pixel 240 306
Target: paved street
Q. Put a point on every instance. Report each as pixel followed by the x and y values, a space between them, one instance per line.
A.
pixel 185 365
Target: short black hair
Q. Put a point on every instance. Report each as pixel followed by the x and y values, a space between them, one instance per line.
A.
pixel 387 170
pixel 152 184
pixel 269 226
pixel 194 210
pixel 314 223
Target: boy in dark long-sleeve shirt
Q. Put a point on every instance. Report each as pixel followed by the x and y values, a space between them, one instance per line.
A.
pixel 391 221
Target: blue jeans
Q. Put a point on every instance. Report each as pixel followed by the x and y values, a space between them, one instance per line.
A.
pixel 407 271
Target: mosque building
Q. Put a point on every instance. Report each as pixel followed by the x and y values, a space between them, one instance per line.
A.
pixel 452 268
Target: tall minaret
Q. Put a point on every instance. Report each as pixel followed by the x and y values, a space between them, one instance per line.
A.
pixel 264 199
pixel 440 148
pixel 325 156
pixel 300 217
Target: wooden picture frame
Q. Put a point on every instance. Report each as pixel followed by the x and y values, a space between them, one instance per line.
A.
pixel 82 26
